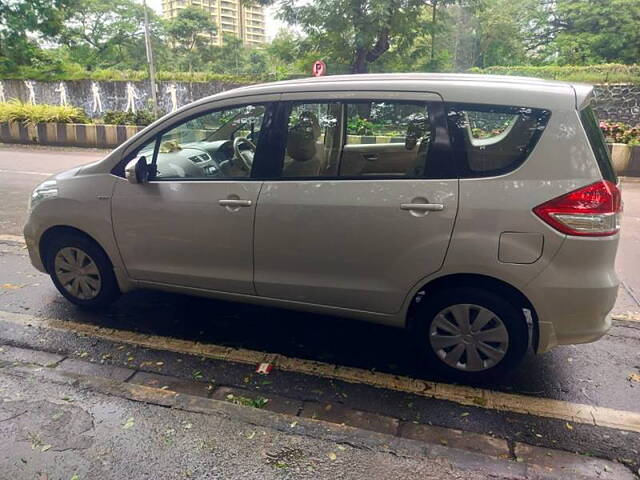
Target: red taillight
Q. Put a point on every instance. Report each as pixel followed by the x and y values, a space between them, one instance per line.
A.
pixel 591 211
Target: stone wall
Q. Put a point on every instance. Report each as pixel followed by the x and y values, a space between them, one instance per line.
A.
pixel 619 103
pixel 113 95
pixel 613 102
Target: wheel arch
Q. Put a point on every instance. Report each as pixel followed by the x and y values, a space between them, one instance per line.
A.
pixel 52 232
pixel 484 282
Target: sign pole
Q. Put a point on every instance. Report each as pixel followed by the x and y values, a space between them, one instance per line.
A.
pixel 152 68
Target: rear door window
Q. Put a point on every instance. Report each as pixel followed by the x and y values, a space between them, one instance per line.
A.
pixel 363 139
pixel 598 145
pixel 494 140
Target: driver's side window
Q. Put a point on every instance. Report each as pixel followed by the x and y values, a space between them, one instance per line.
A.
pixel 220 144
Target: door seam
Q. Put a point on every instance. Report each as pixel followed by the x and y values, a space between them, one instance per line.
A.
pixel 253 241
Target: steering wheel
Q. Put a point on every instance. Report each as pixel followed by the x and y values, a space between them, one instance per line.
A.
pixel 246 155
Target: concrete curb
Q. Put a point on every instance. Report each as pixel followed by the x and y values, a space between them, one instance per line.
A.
pixel 67 134
pixel 463 449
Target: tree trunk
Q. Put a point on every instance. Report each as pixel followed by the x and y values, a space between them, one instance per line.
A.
pixel 433 31
pixel 359 64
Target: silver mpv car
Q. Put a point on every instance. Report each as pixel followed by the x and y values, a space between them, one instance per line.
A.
pixel 482 213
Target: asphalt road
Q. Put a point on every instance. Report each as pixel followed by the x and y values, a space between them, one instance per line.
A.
pixel 600 374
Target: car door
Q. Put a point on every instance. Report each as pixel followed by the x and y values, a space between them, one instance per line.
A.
pixel 192 224
pixel 359 237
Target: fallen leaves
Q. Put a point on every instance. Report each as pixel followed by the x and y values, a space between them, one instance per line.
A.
pixel 634 377
pixel 258 402
pixel 11 286
pixel 128 424
pixel 569 426
pixel 332 456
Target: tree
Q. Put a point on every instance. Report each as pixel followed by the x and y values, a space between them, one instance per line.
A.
pixel 23 23
pixel 436 26
pixel 595 31
pixel 191 31
pixel 502 31
pixel 353 32
pixel 107 33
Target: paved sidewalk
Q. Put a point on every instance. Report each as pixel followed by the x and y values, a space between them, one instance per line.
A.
pixel 84 420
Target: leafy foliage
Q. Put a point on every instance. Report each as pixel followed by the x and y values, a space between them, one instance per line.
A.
pixel 23 23
pixel 360 126
pixel 354 33
pixel 605 73
pixel 103 40
pixel 191 32
pixel 107 33
pixel 15 111
pixel 118 117
pixel 593 31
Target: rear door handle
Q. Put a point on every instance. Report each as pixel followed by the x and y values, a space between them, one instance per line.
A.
pixel 422 207
pixel 232 202
pixel 370 157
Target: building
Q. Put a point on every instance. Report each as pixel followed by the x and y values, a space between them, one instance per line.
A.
pixel 231 18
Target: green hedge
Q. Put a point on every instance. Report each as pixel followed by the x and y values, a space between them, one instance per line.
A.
pixel 605 73
pixel 139 75
pixel 15 111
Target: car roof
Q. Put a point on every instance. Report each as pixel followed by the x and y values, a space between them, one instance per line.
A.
pixel 455 87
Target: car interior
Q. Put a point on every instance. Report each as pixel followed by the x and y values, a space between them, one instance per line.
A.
pixel 321 142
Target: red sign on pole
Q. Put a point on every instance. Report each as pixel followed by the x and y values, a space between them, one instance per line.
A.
pixel 319 68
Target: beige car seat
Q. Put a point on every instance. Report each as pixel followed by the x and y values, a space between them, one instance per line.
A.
pixel 302 148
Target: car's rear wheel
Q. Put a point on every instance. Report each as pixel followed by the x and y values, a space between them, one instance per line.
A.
pixel 471 334
pixel 81 271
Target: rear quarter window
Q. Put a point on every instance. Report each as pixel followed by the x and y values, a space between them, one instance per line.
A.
pixel 598 145
pixel 490 140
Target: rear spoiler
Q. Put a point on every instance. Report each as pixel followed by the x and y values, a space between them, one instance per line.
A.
pixel 584 95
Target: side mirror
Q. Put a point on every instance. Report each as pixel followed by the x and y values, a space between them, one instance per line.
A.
pixel 137 170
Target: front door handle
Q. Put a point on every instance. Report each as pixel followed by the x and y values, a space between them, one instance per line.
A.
pixel 233 202
pixel 370 157
pixel 422 207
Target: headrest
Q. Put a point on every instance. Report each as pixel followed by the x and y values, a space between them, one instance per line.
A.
pixel 301 140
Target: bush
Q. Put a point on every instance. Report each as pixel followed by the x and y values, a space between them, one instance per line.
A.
pixel 118 117
pixel 16 111
pixel 108 75
pixel 618 132
pixel 604 73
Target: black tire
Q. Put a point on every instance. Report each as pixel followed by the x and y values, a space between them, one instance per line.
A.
pixel 108 291
pixel 508 312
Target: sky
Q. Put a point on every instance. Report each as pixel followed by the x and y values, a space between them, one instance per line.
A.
pixel 272 24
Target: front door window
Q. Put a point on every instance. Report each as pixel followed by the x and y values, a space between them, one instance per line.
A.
pixel 217 145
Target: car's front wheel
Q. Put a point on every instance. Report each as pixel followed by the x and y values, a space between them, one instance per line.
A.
pixel 81 271
pixel 470 333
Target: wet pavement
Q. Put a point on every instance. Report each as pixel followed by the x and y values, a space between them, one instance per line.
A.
pixel 602 373
pixel 54 430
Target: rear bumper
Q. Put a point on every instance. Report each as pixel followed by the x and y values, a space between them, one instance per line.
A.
pixel 573 297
